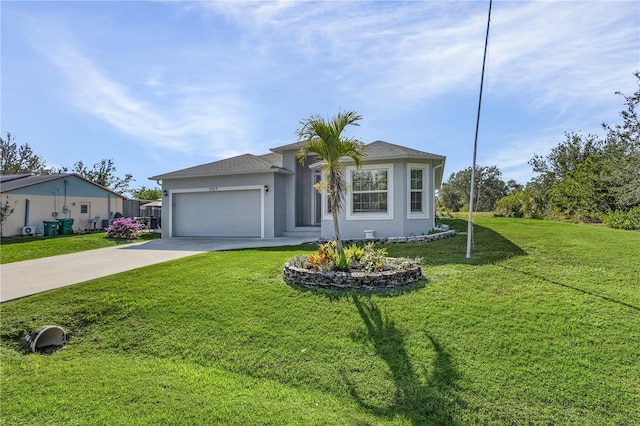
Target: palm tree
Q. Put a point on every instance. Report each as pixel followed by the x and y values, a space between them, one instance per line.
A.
pixel 324 138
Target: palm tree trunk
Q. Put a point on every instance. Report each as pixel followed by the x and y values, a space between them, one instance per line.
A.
pixel 336 229
pixel 333 198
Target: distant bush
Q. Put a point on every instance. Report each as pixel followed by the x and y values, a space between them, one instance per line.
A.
pixel 621 220
pixel 124 229
pixel 510 205
pixel 521 203
pixel 442 211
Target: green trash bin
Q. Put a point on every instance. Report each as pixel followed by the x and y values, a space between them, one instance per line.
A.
pixel 66 226
pixel 50 228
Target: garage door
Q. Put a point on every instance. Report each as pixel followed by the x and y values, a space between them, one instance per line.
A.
pixel 217 214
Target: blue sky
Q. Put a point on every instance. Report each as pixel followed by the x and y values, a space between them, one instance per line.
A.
pixel 160 86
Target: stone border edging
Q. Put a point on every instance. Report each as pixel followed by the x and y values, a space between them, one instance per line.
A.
pixel 358 281
pixel 362 281
pixel 396 240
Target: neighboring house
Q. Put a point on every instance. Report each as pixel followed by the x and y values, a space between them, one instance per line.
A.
pixel 273 195
pixel 51 197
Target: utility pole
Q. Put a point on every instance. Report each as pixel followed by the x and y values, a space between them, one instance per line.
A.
pixel 475 142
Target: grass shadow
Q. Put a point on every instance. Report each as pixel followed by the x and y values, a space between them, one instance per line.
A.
pixel 568 286
pixel 426 395
pixel 492 249
pixel 335 295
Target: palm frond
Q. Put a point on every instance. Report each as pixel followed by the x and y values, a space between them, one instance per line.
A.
pixel 323 137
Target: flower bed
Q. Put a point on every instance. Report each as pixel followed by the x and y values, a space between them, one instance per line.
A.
pixel 356 268
pixel 351 280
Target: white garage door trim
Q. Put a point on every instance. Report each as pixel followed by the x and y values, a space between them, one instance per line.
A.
pixel 261 188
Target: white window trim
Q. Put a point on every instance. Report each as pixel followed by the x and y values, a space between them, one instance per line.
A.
pixel 390 193
pixel 326 215
pixel 424 214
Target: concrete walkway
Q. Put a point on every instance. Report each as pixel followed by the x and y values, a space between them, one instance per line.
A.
pixel 22 279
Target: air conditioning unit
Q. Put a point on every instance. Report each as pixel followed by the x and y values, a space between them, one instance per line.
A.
pixel 28 230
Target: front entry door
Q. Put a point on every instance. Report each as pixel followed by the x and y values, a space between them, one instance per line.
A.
pixel 317 200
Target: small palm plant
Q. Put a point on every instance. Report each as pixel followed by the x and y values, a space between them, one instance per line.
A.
pixel 324 138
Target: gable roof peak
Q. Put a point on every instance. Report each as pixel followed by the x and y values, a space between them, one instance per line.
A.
pixel 240 164
pixel 381 149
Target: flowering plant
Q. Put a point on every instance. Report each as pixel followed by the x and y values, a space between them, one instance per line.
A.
pixel 356 258
pixel 124 229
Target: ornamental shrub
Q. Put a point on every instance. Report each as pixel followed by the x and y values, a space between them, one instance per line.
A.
pixel 510 205
pixel 623 220
pixel 367 258
pixel 325 257
pixel 355 252
pixel 124 229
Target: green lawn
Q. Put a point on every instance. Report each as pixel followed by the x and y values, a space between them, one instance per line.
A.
pixel 25 248
pixel 541 327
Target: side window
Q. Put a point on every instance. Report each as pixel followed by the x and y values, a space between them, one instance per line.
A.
pixel 417 186
pixel 417 199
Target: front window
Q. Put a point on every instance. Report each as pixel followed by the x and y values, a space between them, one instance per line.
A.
pixel 371 190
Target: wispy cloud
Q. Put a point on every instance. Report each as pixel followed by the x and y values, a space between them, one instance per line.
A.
pixel 239 75
pixel 545 52
pixel 560 53
pixel 194 118
pixel 385 55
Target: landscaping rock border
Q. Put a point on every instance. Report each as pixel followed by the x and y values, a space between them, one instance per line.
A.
pixel 396 240
pixel 358 281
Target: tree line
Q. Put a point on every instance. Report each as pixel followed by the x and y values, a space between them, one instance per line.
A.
pixel 20 159
pixel 586 178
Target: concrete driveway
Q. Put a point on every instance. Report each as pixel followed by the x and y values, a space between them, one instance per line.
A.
pixel 22 279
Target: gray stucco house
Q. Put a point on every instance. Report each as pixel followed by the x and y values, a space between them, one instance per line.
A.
pixel 272 195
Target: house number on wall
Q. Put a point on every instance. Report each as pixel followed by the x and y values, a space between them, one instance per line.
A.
pixel 213 188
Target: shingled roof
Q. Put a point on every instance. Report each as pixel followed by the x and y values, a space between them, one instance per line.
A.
pixel 241 164
pixel 288 147
pixel 375 150
pixel 7 178
pixel 10 183
pixel 380 150
pixel 272 162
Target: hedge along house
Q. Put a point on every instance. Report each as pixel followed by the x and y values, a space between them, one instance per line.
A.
pixel 273 195
pixel 50 197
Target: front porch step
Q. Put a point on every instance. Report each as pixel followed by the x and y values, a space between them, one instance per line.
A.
pixel 303 232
